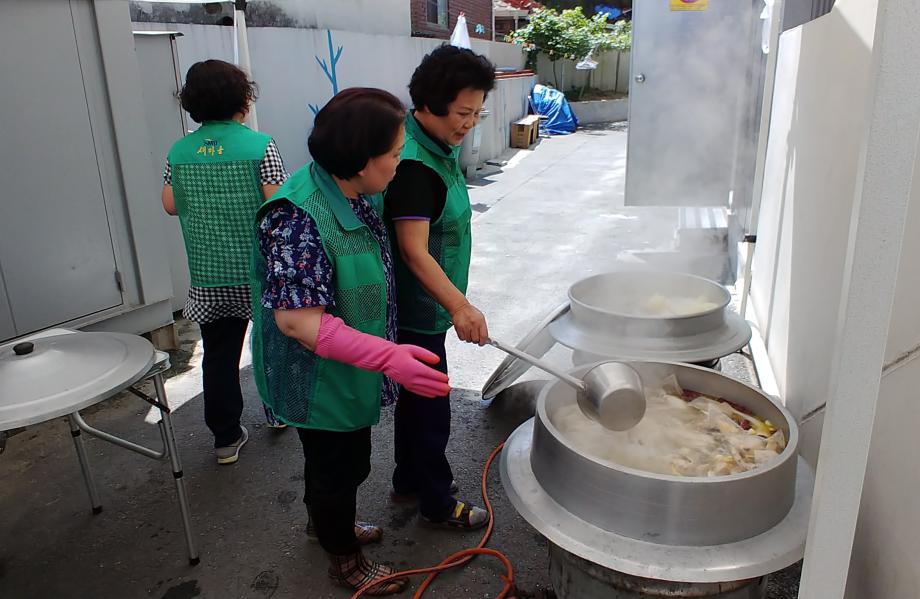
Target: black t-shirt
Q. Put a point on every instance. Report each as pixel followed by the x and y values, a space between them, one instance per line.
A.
pixel 416 192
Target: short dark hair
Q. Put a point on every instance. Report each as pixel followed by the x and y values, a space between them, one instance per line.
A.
pixel 444 73
pixel 215 90
pixel 356 125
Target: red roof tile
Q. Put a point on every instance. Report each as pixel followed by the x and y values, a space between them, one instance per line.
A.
pixel 524 4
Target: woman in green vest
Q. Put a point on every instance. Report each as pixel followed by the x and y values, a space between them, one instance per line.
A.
pixel 324 328
pixel 215 179
pixel 428 208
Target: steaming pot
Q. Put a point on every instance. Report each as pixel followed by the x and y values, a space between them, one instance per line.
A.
pixel 625 522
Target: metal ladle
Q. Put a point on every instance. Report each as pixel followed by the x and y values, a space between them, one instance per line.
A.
pixel 610 393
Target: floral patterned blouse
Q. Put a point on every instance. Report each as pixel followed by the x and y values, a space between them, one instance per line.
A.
pixel 299 274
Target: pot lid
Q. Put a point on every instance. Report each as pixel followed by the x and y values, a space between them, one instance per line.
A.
pixel 61 371
pixel 536 343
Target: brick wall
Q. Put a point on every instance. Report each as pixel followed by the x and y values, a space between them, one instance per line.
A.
pixel 477 12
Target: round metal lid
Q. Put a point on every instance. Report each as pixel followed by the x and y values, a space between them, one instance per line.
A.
pixel 734 334
pixel 536 343
pixel 781 546
pixel 43 377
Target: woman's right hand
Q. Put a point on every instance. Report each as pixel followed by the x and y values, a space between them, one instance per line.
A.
pixel 406 365
pixel 470 324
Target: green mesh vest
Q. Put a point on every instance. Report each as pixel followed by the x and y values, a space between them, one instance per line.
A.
pixel 449 238
pixel 215 182
pixel 301 388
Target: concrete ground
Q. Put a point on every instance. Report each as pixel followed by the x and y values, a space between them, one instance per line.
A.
pixel 553 215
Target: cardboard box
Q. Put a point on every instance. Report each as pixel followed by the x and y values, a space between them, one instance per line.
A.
pixel 525 132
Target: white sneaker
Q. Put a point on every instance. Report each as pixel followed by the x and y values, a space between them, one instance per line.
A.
pixel 230 454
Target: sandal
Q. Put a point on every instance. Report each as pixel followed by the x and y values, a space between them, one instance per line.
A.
pixel 355 571
pixel 397 497
pixel 463 517
pixel 365 532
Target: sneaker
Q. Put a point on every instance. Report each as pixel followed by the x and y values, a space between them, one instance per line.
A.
pixel 397 497
pixel 231 453
pixel 462 517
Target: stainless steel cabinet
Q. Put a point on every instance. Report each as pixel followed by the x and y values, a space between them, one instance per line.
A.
pixel 158 61
pixel 57 256
pixel 690 93
pixel 81 235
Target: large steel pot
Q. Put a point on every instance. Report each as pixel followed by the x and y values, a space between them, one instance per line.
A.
pixel 664 509
pixel 577 578
pixel 612 301
pixel 605 320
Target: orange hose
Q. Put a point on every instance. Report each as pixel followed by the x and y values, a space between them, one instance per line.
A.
pixel 460 558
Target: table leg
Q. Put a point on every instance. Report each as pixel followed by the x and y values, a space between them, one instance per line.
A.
pixel 84 464
pixel 170 440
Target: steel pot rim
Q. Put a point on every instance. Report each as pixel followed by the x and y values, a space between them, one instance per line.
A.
pixel 579 304
pixel 789 452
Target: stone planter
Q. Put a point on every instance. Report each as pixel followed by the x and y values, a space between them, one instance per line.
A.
pixel 601 111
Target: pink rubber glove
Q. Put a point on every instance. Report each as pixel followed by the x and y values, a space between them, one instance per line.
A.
pixel 402 363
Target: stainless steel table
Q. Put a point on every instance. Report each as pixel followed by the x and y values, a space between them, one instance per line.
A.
pixel 58 372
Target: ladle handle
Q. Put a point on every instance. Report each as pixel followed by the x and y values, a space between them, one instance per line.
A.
pixel 542 365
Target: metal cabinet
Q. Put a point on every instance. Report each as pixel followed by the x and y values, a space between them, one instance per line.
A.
pixel 696 97
pixel 80 238
pixel 56 248
pixel 696 77
pixel 158 60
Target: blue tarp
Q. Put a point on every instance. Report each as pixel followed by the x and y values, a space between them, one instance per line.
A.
pixel 612 12
pixel 551 103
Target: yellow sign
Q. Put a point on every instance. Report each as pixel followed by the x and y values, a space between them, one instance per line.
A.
pixel 689 5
